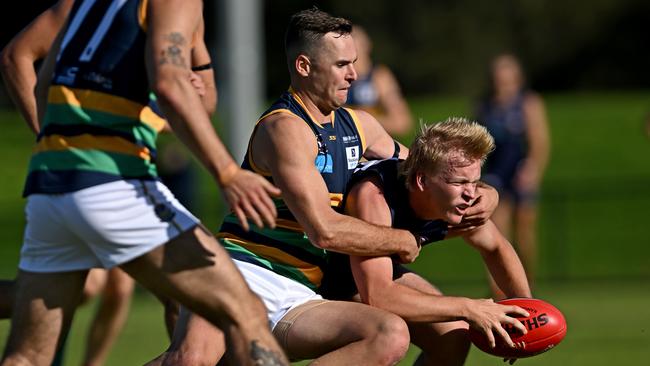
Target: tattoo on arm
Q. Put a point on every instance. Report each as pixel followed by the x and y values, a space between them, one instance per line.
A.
pixel 173 54
pixel 264 357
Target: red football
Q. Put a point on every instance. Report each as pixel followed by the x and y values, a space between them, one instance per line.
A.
pixel 546 328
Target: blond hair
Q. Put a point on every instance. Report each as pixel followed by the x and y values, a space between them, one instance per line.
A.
pixel 452 142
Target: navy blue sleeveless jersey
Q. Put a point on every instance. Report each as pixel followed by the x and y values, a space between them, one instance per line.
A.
pixel 339 282
pixel 98 126
pixel 507 124
pixel 362 92
pixel 286 250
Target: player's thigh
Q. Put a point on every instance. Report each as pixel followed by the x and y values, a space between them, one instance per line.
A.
pixel 331 325
pixel 45 304
pixel 195 270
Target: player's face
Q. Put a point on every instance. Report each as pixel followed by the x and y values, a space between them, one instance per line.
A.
pixel 333 71
pixel 506 74
pixel 451 191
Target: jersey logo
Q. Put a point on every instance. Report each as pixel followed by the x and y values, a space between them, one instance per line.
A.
pixel 324 163
pixel 352 154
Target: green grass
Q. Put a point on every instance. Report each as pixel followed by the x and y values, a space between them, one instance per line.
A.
pixel 608 323
pixel 593 231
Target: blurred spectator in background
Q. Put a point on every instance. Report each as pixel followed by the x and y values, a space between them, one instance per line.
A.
pixel 376 90
pixel 516 117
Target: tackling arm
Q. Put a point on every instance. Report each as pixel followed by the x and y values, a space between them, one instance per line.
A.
pixel 379 144
pixel 286 147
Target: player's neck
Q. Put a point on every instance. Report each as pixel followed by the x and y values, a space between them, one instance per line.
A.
pixel 309 102
pixel 417 200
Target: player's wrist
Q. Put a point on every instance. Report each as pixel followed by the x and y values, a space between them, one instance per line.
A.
pixel 227 174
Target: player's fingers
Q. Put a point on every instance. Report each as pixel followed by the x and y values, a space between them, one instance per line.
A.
pixel 515 324
pixel 490 337
pixel 505 336
pixel 271 189
pixel 268 201
pixel 267 210
pixel 252 214
pixel 514 309
pixel 241 217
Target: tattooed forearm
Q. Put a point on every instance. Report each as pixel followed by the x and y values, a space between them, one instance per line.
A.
pixel 265 357
pixel 173 54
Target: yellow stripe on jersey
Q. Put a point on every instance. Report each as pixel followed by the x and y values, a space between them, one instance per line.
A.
pixel 152 119
pixel 142 14
pixel 106 103
pixel 336 199
pixel 289 225
pixel 313 273
pixel 90 142
pixel 304 108
pixel 362 136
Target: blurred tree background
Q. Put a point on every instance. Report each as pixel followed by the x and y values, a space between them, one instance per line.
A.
pixel 443 46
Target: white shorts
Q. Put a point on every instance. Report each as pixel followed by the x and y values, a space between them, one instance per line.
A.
pixel 101 226
pixel 279 294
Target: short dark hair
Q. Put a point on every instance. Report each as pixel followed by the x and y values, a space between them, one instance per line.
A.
pixel 307 27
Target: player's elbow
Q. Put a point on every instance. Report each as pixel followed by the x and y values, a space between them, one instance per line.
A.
pixel 324 238
pixel 164 88
pixel 7 61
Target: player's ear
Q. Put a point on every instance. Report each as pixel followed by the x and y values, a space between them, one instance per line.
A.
pixel 420 180
pixel 303 65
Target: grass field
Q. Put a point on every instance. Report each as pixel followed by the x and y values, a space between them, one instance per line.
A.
pixel 595 248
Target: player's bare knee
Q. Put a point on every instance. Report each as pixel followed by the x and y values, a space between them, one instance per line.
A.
pixel 392 340
pixel 120 289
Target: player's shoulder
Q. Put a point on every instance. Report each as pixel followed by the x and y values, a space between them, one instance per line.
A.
pixel 532 97
pixel 533 102
pixel 382 171
pixel 284 124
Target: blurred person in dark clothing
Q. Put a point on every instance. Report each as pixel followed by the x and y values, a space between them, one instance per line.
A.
pixel 516 117
pixel 376 89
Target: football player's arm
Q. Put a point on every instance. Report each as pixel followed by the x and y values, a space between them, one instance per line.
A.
pixel 501 259
pixel 373 276
pixel 531 172
pixel 171 25
pixel 286 147
pixel 379 144
pixel 18 57
pixel 397 118
pixel 202 67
